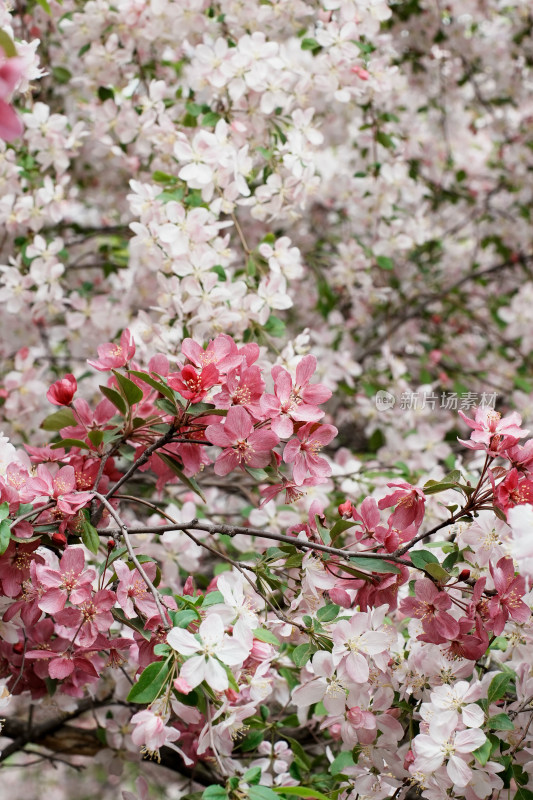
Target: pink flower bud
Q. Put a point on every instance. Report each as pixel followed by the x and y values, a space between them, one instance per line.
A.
pixel 261 651
pixel 181 685
pixel 61 392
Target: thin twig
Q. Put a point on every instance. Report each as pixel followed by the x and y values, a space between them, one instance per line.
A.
pixel 133 557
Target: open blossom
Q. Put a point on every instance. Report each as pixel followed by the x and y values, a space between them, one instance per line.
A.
pixel 444 744
pixel 209 651
pixel 294 403
pixel 353 641
pixel 150 732
pixel 113 356
pixel 193 385
pixel 489 429
pixel 60 487
pixel 303 451
pixel 241 443
pixel 72 581
pixel 409 502
pixel 509 591
pixel 431 606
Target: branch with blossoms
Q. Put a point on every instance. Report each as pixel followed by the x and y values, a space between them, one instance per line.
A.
pixel 86 587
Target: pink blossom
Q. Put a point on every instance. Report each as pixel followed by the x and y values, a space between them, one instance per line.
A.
pixel 242 445
pixel 113 356
pixel 61 392
pixel 60 487
pixel 192 385
pixel 303 451
pixel 11 70
pixel 430 605
pixel 71 581
pixel 410 504
pixel 507 602
pixel 489 429
pixel 151 733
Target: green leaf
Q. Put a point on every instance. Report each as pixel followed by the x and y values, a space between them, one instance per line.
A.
pixel 212 599
pixel 384 262
pixel 437 572
pixel 70 443
pixel 89 535
pixel 4 511
pixel 62 418
pixel 257 474
pixel 182 619
pixel 252 775
pixel 275 327
pixel 261 793
pixel 374 564
pixel 384 140
pixel 500 722
pixel 419 558
pixel 115 398
pixel 5 535
pixel 6 43
pixel 523 794
pixel 155 384
pixel 310 44
pixel 251 741
pixel 131 391
pixel 210 119
pixel 266 636
pixel 340 526
pixel 302 654
pixel 343 760
pixel 498 686
pixel 176 469
pixel 151 682
pixel 433 487
pixel 328 613
pixel 482 754
pixel 301 791
pixel 61 74
pixel 96 437
pixel 215 792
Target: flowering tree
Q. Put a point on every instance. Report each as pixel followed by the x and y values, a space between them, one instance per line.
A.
pixel 266 274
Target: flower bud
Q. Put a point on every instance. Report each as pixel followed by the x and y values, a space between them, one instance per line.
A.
pixel 61 392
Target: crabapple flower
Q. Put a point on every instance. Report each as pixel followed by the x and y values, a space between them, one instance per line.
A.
pixel 509 590
pixel 409 502
pixel 72 581
pixel 353 641
pixel 11 70
pixel 61 392
pixel 442 743
pixel 488 424
pixel 327 687
pixel 60 487
pixel 456 699
pixel 242 445
pixel 192 385
pixel 303 451
pixel 209 652
pixel 151 733
pixel 431 606
pixel 113 356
